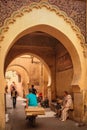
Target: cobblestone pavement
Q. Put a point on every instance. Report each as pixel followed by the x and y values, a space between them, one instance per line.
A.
pixel 17 121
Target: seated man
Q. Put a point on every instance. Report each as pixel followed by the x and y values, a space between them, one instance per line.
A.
pixel 67 105
pixel 31 99
pixel 45 103
pixel 58 108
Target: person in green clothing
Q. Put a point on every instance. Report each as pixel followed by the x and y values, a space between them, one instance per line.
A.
pixel 31 99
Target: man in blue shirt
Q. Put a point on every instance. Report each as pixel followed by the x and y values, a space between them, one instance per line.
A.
pixel 31 99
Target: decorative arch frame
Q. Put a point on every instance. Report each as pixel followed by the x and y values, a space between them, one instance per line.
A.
pixel 71 37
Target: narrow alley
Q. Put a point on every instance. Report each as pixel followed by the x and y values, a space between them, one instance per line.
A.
pixel 17 120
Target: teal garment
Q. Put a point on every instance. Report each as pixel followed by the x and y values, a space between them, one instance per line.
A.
pixel 32 99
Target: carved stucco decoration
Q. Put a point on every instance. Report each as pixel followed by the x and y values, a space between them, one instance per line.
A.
pixel 27 9
pixel 75 9
pixel 7 7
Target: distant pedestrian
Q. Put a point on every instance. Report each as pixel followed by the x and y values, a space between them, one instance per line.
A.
pixel 13 85
pixel 6 89
pixel 40 97
pixel 34 91
pixel 14 95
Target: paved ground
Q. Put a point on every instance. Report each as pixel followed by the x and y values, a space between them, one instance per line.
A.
pixel 48 122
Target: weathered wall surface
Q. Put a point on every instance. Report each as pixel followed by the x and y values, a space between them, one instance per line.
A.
pixel 63 81
pixel 64 71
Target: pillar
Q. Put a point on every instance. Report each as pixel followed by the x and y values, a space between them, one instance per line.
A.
pixel 86 21
pixel 2 98
pixel 78 100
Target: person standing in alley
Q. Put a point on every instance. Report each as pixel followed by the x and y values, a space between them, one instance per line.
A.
pixel 13 85
pixel 34 91
pixel 14 95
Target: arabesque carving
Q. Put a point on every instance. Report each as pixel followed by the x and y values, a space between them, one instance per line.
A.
pixel 27 9
pixel 73 8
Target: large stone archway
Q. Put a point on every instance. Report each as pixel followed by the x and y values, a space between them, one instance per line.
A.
pixel 61 28
pixel 54 22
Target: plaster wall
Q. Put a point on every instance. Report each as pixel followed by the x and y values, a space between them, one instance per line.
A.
pixel 63 82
